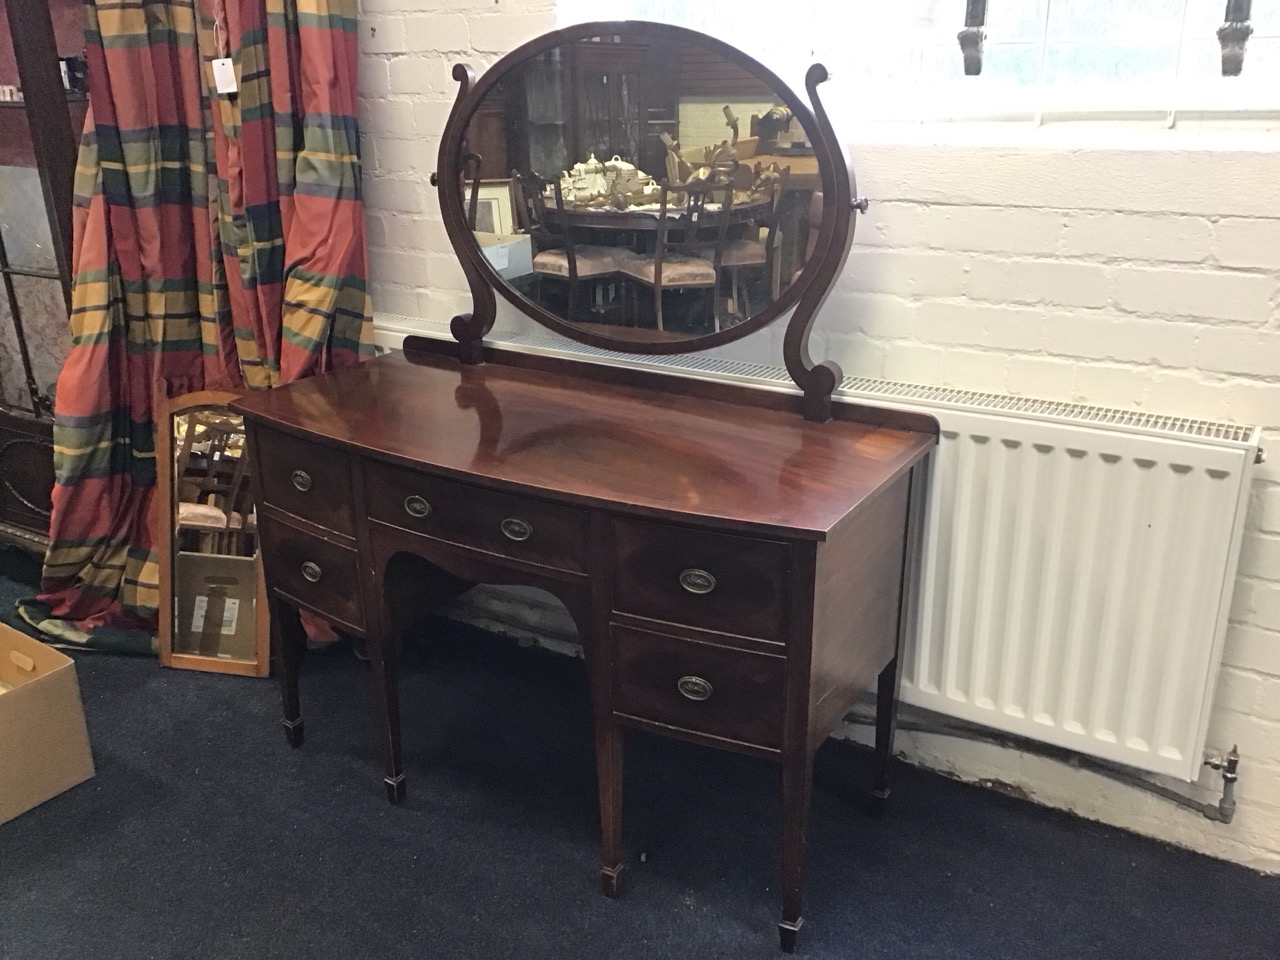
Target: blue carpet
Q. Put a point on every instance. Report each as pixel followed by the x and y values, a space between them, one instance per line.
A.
pixel 203 835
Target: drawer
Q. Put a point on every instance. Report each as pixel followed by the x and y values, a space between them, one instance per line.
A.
pixel 524 528
pixel 321 574
pixel 716 581
pixel 699 687
pixel 307 480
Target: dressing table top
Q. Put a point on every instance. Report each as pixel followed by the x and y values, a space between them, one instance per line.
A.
pixel 662 453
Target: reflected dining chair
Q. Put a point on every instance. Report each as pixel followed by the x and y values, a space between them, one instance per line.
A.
pixel 757 253
pixel 557 254
pixel 688 245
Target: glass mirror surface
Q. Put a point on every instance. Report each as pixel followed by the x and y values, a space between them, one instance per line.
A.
pixel 214 537
pixel 640 187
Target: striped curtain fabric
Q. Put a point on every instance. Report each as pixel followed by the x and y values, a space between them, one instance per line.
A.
pixel 219 244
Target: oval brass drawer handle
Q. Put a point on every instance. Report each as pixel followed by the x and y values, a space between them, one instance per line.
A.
pixel 694 688
pixel 415 506
pixel 301 481
pixel 517 530
pixel 697 581
pixel 311 571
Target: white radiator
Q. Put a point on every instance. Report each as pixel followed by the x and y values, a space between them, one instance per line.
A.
pixel 1078 561
pixel 1077 574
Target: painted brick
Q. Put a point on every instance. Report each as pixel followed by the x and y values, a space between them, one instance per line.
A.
pixel 375 230
pixel 373 77
pixel 404 232
pixel 939 274
pixel 1110 385
pixel 913 362
pixel 1212 294
pixel 1257 738
pixel 1247 243
pixel 975 370
pixel 1107 234
pixel 1253 693
pixel 387 119
pixel 1253 649
pixel 384 35
pixel 1266 607
pixel 1268 513
pixel 398 266
pixel 1170 178
pixel 1186 394
pixel 437 33
pixel 876 315
pixel 393 298
pixel 445 272
pixel 951 322
pixel 1251 401
pixel 891 225
pixel 1240 351
pixel 1122 337
pixel 430 116
pixel 400 196
pixel 403 158
pixel 856 355
pixel 501 33
pixel 1260 556
pixel 1017 230
pixel 410 75
pixel 872 270
pixel 1057 282
pixel 1045 378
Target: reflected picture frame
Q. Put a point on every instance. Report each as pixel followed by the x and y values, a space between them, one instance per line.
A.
pixel 493 207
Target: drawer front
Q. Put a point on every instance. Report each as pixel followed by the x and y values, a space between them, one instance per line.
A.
pixel 307 568
pixel 307 480
pixel 715 581
pixel 520 527
pixel 699 687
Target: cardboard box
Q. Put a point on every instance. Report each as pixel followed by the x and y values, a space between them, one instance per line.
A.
pixel 511 254
pixel 215 606
pixel 44 744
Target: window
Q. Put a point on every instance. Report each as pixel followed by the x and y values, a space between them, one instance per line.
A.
pixel 899 59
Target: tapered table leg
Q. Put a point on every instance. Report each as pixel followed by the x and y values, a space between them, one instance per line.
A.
pixel 886 725
pixel 384 659
pixel 609 772
pixel 797 797
pixel 289 644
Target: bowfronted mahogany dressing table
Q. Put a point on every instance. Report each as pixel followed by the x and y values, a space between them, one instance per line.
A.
pixel 736 560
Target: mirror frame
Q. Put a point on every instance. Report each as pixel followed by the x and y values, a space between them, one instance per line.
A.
pixel 806 293
pixel 163 409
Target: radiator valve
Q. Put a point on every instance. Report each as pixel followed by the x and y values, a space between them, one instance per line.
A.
pixel 1225 809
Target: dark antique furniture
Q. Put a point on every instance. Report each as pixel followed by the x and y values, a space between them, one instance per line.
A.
pixel 737 560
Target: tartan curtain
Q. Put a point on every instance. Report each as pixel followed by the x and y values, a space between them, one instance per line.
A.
pixel 219 243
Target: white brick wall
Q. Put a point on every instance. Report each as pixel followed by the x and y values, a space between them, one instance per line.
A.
pixel 1145 277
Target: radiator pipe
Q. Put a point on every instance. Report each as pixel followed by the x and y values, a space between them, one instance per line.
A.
pixel 1221 812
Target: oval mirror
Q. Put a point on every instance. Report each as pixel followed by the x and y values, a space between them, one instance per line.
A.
pixel 638 186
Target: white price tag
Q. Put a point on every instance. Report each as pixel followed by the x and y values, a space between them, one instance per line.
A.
pixel 197 614
pixel 224 75
pixel 230 614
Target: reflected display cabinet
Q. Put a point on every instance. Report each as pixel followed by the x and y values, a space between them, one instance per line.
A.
pixel 737 560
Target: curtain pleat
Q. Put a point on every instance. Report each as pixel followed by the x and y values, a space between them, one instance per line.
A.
pixel 219 243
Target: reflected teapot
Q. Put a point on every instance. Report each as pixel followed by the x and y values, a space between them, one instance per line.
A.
pixel 621 176
pixel 588 179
